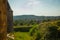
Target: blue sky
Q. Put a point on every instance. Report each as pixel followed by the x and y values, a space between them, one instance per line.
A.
pixel 35 7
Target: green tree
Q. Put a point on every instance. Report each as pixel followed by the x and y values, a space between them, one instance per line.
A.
pixel 52 33
pixel 15 22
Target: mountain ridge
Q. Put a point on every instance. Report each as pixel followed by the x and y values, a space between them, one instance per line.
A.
pixel 33 17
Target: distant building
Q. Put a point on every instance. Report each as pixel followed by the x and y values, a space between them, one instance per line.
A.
pixel 9 18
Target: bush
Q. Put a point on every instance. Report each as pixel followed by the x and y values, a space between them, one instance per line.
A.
pixel 46 31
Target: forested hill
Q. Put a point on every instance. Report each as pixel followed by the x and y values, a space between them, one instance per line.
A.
pixel 33 17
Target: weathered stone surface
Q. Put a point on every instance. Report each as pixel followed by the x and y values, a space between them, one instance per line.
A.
pixel 3 19
pixel 6 19
pixel 9 19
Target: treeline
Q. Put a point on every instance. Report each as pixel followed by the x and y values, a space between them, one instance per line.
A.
pixel 25 22
pixel 30 22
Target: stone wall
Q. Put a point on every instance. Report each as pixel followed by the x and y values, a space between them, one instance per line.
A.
pixel 9 18
pixel 3 20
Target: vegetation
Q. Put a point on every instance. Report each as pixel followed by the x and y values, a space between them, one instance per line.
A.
pixel 25 22
pixel 36 30
pixel 22 36
pixel 47 31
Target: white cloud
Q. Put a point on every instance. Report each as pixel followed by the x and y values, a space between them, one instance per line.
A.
pixel 35 3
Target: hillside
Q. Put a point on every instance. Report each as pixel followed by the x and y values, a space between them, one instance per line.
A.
pixel 43 31
pixel 46 31
pixel 33 17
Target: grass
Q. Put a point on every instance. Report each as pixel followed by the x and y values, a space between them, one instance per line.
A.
pixel 22 26
pixel 22 36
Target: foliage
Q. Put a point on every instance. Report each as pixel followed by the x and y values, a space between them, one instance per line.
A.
pixel 25 22
pixel 46 30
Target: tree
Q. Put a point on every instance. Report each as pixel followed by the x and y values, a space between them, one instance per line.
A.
pixel 16 22
pixel 52 33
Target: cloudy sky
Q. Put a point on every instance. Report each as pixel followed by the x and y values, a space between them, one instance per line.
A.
pixel 35 7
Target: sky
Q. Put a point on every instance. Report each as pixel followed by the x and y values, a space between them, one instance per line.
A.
pixel 35 7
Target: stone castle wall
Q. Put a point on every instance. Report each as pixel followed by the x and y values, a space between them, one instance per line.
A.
pixel 9 18
pixel 3 20
pixel 6 19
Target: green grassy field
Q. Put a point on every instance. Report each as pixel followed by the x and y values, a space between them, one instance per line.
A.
pixel 22 36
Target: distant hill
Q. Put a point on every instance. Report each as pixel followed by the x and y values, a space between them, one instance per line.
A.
pixel 33 17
